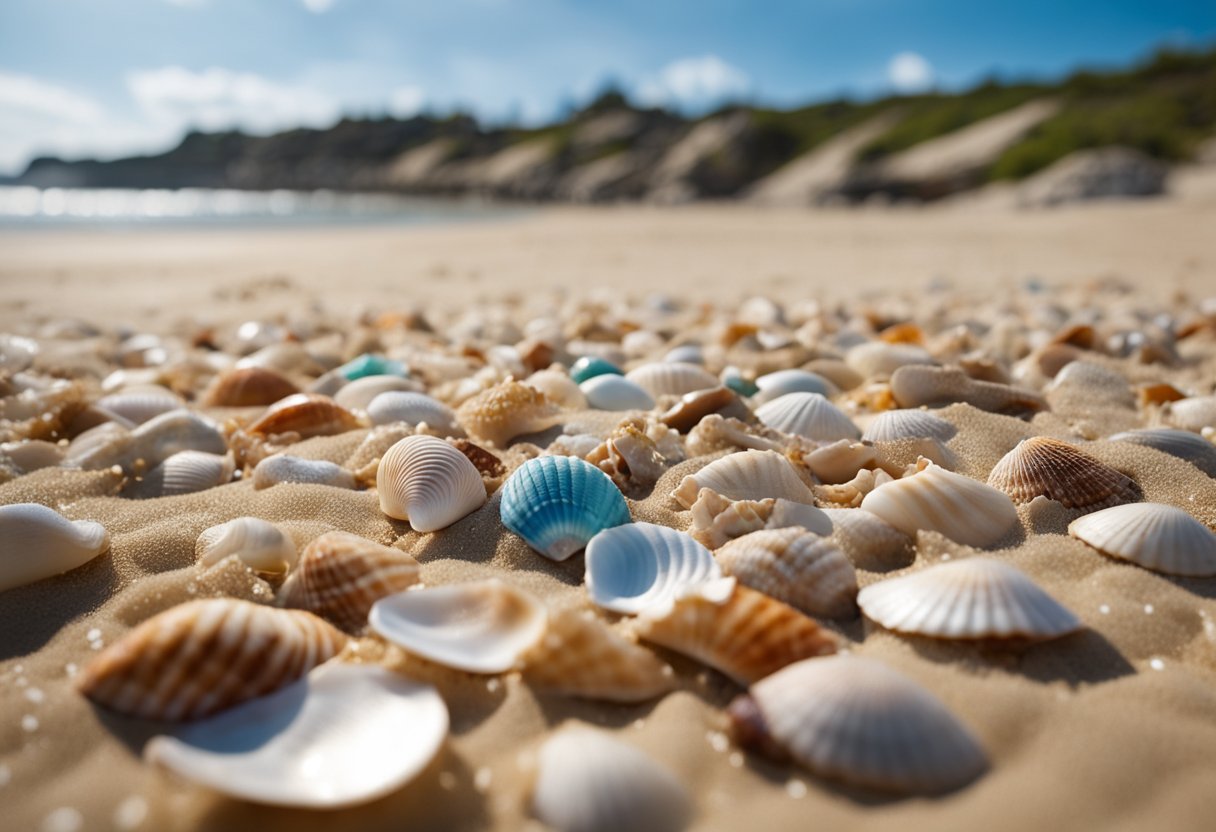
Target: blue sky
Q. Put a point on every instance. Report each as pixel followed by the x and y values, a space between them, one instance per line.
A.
pixel 108 77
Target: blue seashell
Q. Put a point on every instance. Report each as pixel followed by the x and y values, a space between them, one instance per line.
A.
pixel 734 380
pixel 589 367
pixel 371 365
pixel 558 503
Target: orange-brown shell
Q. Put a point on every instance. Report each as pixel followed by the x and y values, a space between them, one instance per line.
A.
pixel 247 387
pixel 1042 466
pixel 502 413
pixel 306 415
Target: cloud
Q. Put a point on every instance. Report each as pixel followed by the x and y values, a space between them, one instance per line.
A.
pixel 406 101
pixel 910 72
pixel 27 96
pixel 694 84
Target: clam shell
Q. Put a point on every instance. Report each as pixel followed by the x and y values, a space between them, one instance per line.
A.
pixel 809 415
pixel 481 627
pixel 413 409
pixel 39 542
pixel 201 657
pixel 1180 443
pixel 142 404
pixel 358 394
pixel 306 415
pixel 247 387
pixel 715 519
pixel 879 358
pixel 186 472
pixel 502 413
pixel 341 575
pixel 1042 466
pixel 1158 537
pixel 558 388
pixel 429 483
pixel 962 509
pixel 261 545
pixel 894 425
pixel 641 566
pixel 1193 414
pixel 346 734
pixel 773 386
pixel 613 392
pixel 671 378
pixel 853 719
pixel 747 475
pixel 973 598
pixel 917 386
pixel 804 570
pixel 869 541
pixel 557 504
pixel 281 468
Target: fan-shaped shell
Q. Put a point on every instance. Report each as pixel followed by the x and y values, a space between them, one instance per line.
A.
pixel 358 394
pixel 1193 414
pixel 642 566
pixel 558 388
pixel 141 404
pixel 917 386
pixel 481 627
pixel 305 414
pixel 261 545
pixel 247 387
pixel 557 504
pixel 973 598
pixel 281 468
pixel 1158 537
pixel 894 425
pixel 715 519
pixel 341 575
pixel 613 392
pixel 879 358
pixel 502 413
pixel 671 378
pixel 773 386
pixel 201 657
pixel 345 735
pixel 747 475
pixel 413 409
pixel 39 542
pixel 853 719
pixel 429 483
pixel 798 568
pixel 959 507
pixel 1180 443
pixel 1042 466
pixel 809 415
pixel 186 472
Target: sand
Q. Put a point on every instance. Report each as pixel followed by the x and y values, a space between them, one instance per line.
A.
pixel 1112 728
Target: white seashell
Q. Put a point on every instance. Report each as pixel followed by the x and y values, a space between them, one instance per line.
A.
pixel 186 472
pixel 558 388
pixel 671 378
pixel 413 409
pixel 40 543
pixel 141 404
pixel 429 483
pixel 481 627
pixel 642 342
pixel 641 566
pixel 613 392
pixel 1158 537
pixel 358 394
pixel 586 781
pixel 894 425
pixel 152 442
pixel 1193 414
pixel 345 734
pixel 16 352
pixel 260 544
pixel 773 386
pixel 1180 443
pixel 878 358
pixel 972 598
pixel 1092 383
pixel 804 570
pixel 809 415
pixel 32 454
pixel 747 475
pixel 282 468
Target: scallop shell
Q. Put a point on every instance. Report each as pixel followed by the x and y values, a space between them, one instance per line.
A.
pixel 747 475
pixel 879 358
pixel 586 781
pixel 1042 466
pixel 260 544
pixel 481 627
pixel 502 413
pixel 869 541
pixel 894 425
pixel 773 386
pixel 671 378
pixel 917 386
pixel 715 519
pixel 613 392
pixel 413 409
pixel 140 405
pixel 341 575
pixel 1193 414
pixel 1158 537
pixel 358 394
pixel 972 598
pixel 281 468
pixel 809 415
pixel 186 472
pixel 1180 443
pixel 853 719
pixel 641 566
pixel 962 509
pixel 558 388
pixel 247 387
pixel 743 633
pixel 429 483
pixel 201 657
pixel 347 734
pixel 590 366
pixel 39 542
pixel 558 503
pixel 306 415
pixel 798 568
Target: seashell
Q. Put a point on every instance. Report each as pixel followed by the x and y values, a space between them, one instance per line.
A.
pixel 613 392
pixel 487 464
pixel 687 413
pixel 502 413
pixel 140 405
pixel 17 352
pixel 186 472
pixel 773 386
pixel 281 468
pixel 879 358
pixel 809 415
pixel 798 568
pixel 580 656
pixel 201 657
pixel 558 388
pixel 358 394
pixel 1150 394
pixel 1061 472
pixel 747 475
pixel 972 598
pixel 32 454
pixel 429 483
pixel 589 366
pixel 631 458
pixel 1092 385
pixel 306 415
pixel 671 378
pixel 346 734
pixel 715 519
pixel 341 575
pixel 733 379
pixel 260 544
pixel 282 357
pixel 743 633
pixel 1158 537
pixel 842 460
pixel 1193 414
pixel 641 566
pixel 894 425
pixel 413 409
pixel 39 542
pixel 1180 443
pixel 152 442
pixel 371 365
pixel 850 494
pixel 869 541
pixel 481 627
pixel 855 720
pixel 586 781
pixel 580 445
pixel 917 386
pixel 247 387
pixel 685 354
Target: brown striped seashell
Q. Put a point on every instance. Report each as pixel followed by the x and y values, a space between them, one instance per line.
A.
pixel 429 483
pixel 747 475
pixel 511 409
pixel 916 386
pixel 247 387
pixel 1042 466
pixel 305 415
pixel 201 657
pixel 716 520
pixel 804 570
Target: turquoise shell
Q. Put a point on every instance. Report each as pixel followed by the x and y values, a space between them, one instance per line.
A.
pixel 371 365
pixel 558 503
pixel 734 380
pixel 590 367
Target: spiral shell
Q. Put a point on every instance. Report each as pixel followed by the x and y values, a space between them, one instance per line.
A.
pixel 502 413
pixel 747 475
pixel 916 386
pixel 40 543
pixel 716 520
pixel 247 387
pixel 809 415
pixel 306 415
pixel 1180 443
pixel 281 468
pixel 641 566
pixel 1042 466
pixel 1158 537
pixel 894 425
pixel 671 378
pixel 429 483
pixel 798 568
pixel 613 392
pixel 261 545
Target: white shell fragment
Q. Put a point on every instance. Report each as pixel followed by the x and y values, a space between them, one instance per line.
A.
pixel 808 414
pixel 746 475
pixel 260 544
pixel 429 483
pixel 283 468
pixel 643 567
pixel 39 542
pixel 1158 537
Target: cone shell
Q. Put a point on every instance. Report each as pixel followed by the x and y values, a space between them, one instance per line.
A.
pixel 671 378
pixel 1180 443
pixel 642 566
pixel 341 575
pixel 261 545
pixel 502 413
pixel 247 387
pixel 973 598
pixel 747 475
pixel 281 468
pixel 804 570
pixel 204 656
pixel 894 425
pixel 429 483
pixel 305 414
pixel 360 393
pixel 1042 466
pixel 858 721
pixel 809 415
pixel 715 519
pixel 413 409
pixel 773 386
pixel 39 542
pixel 1158 537
pixel 916 386
pixel 613 392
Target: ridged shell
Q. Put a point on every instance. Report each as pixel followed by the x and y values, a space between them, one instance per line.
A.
pixel 1092 384
pixel 141 404
pixel 1158 537
pixel 429 483
pixel 586 781
pixel 261 545
pixel 581 656
pixel 1180 443
pixel 798 568
pixel 358 394
pixel 747 635
pixel 773 386
pixel 671 378
pixel 613 392
pixel 869 541
pixel 747 475
pixel 894 425
pixel 855 720
pixel 557 504
pixel 502 413
pixel 558 388
pixel 413 409
pixel 973 598
pixel 305 414
pixel 247 387
pixel 809 415
pixel 917 386
pixel 341 575
pixel 641 566
pixel 481 627
pixel 345 735
pixel 715 519
pixel 186 472
pixel 878 358
pixel 39 542
pixel 1042 466
pixel 963 509
pixel 152 442
pixel 201 657
pixel 1193 414
pixel 281 468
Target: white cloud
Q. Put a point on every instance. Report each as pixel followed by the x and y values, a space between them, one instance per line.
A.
pixel 318 6
pixel 406 101
pixel 694 84
pixel 910 72
pixel 30 96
